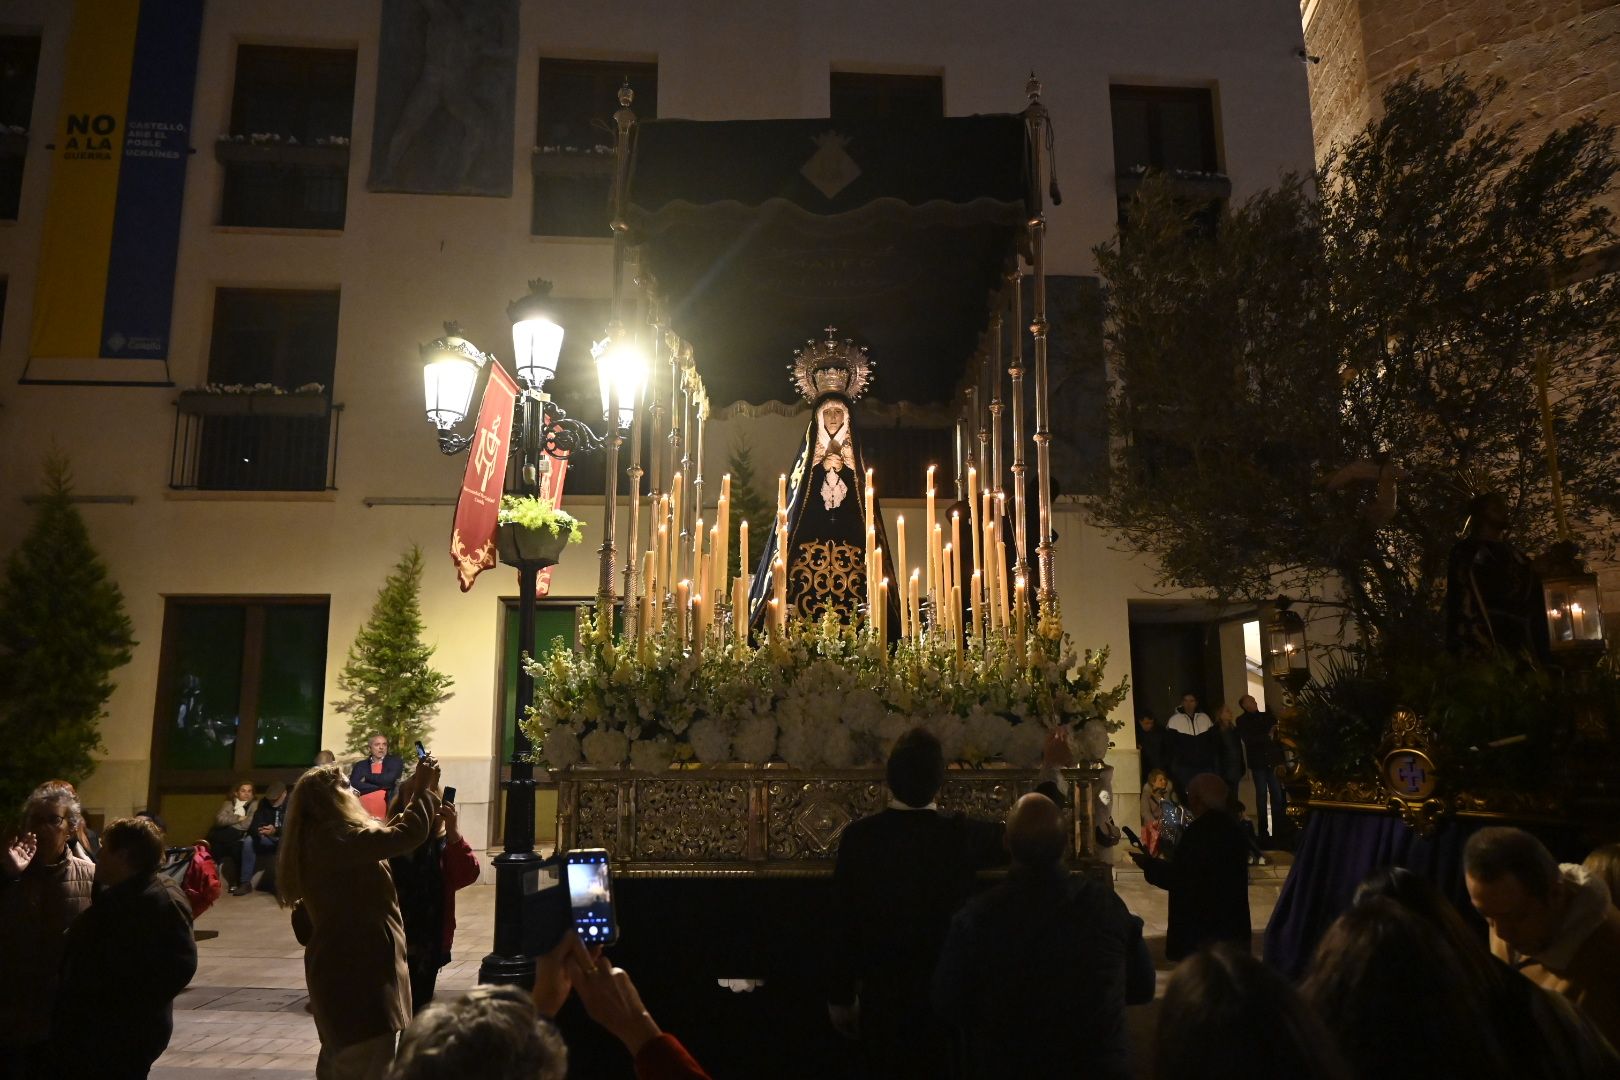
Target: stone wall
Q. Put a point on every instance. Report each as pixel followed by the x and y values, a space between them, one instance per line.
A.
pixel 1560 59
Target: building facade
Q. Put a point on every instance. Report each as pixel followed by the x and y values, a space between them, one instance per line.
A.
pixel 250 543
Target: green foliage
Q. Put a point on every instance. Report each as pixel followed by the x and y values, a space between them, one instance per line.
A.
pixel 63 632
pixel 390 686
pixel 1497 723
pixel 1376 326
pixel 747 504
pixel 532 512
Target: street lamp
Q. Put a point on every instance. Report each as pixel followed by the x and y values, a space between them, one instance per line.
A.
pixel 450 367
pixel 541 431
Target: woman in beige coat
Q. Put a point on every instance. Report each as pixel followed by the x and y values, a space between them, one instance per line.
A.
pixel 334 874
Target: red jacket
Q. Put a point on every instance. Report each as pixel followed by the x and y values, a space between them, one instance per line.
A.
pixel 664 1058
pixel 460 868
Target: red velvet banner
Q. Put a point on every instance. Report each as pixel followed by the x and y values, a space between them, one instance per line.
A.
pixel 553 491
pixel 472 539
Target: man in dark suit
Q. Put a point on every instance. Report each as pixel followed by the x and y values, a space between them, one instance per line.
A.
pixel 1036 973
pixel 1208 880
pixel 377 773
pixel 900 875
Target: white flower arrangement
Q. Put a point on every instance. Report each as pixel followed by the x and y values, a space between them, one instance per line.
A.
pixel 823 696
pixel 311 388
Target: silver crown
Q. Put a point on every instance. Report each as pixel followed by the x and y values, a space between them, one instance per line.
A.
pixel 831 367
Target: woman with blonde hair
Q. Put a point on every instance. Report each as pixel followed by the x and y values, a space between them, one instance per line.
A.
pixel 334 874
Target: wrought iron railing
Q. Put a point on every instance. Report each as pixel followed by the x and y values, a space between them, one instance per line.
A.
pixel 254 442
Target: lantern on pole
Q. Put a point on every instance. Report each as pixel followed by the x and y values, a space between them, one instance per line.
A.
pixel 1286 658
pixel 1574 614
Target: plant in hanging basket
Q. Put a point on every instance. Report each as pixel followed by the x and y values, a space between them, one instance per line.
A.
pixel 532 530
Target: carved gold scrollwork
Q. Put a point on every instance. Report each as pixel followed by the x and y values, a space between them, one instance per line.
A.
pixel 596 823
pixel 805 818
pixel 827 574
pixel 691 820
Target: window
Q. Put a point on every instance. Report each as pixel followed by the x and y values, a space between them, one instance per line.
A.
pixel 19 67
pixel 240 689
pixel 1163 128
pixel 862 96
pixel 573 158
pixel 282 437
pixel 1169 130
pixel 287 158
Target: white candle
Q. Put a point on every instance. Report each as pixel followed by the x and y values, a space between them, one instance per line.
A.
pixel 900 568
pixel 683 597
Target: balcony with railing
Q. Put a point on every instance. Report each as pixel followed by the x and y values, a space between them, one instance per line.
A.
pixel 254 442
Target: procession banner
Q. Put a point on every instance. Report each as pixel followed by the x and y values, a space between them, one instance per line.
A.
pixel 112 221
pixel 472 537
pixel 553 491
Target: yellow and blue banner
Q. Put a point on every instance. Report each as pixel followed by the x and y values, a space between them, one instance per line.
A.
pixel 105 287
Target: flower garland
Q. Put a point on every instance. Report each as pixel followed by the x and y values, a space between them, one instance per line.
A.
pixel 826 695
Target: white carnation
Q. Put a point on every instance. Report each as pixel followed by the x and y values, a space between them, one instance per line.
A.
pixel 951 731
pixel 837 749
pixel 711 742
pixel 560 748
pixel 1025 744
pixel 755 740
pixel 605 749
pixel 652 755
pixel 986 736
pixel 795 742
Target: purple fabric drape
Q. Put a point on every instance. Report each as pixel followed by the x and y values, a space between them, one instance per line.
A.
pixel 1340 847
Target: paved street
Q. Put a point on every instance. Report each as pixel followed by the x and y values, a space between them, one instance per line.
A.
pixel 243 1015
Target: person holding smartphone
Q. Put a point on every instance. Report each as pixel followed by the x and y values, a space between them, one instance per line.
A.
pixel 426 880
pixel 334 874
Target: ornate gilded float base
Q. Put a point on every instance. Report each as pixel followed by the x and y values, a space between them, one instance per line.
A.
pixel 772 821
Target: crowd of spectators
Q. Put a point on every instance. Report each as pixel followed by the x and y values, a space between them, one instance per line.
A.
pixel 1031 976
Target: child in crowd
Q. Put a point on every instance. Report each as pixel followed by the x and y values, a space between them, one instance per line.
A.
pixel 1157 796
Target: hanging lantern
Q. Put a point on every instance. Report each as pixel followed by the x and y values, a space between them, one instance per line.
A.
pixel 450 368
pixel 1574 614
pixel 536 338
pixel 621 371
pixel 1286 658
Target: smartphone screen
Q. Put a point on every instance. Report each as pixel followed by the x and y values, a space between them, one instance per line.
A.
pixel 590 895
pixel 420 753
pixel 449 794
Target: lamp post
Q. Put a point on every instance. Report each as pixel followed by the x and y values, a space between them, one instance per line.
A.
pixel 542 431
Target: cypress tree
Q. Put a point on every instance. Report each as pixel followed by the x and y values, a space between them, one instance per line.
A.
pixel 747 504
pixel 391 688
pixel 63 632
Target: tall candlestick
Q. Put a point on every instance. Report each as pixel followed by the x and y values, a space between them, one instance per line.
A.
pixel 723 558
pixel 951 610
pixel 877 579
pixel 928 537
pixel 742 548
pixel 1020 600
pixel 779 586
pixel 956 636
pixel 675 529
pixel 883 620
pixel 781 492
pixel 697 628
pixel 697 550
pixel 973 522
pixel 956 548
pixel 773 618
pixel 992 602
pixel 916 607
pixel 978 605
pixel 900 568
pixel 739 611
pixel 936 587
pixel 1001 581
pixel 683 598
pixel 644 613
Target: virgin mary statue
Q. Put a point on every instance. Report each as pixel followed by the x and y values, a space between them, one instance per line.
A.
pixel 826 528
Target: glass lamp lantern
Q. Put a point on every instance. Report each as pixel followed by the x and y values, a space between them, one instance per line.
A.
pixel 1286 657
pixel 537 339
pixel 621 373
pixel 1574 613
pixel 450 368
